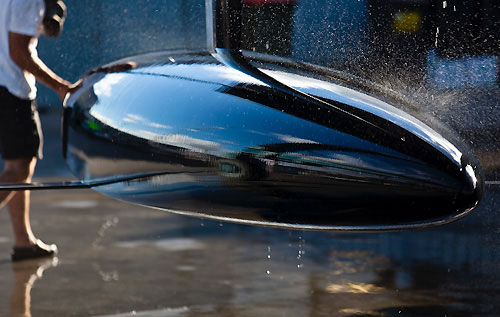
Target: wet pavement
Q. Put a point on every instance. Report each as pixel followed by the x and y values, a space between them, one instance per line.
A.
pixel 118 259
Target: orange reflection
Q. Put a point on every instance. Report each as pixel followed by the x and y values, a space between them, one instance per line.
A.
pixel 356 288
pixel 355 311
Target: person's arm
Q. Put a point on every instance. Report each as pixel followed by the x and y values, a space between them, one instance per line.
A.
pixel 21 55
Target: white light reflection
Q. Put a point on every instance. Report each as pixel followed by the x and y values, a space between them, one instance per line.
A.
pixel 166 312
pixel 133 118
pixel 219 74
pixel 170 245
pixel 180 140
pixel 159 126
pixel 291 139
pixel 104 87
pixel 470 172
pixel 370 104
pixel 138 119
pixel 76 204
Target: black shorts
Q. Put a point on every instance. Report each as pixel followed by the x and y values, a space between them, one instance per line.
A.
pixel 20 127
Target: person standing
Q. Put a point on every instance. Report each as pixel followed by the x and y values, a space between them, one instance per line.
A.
pixel 20 129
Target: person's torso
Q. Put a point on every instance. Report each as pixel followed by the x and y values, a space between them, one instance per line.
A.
pixel 19 16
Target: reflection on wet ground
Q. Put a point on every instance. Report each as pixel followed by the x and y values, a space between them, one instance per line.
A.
pixel 117 259
pixel 26 273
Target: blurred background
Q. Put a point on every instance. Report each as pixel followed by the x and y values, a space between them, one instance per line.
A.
pixel 440 56
pixel 120 260
pixel 450 44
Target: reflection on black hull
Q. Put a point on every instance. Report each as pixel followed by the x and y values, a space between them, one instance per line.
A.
pixel 234 146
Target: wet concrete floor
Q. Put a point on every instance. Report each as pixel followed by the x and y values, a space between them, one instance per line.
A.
pixel 118 259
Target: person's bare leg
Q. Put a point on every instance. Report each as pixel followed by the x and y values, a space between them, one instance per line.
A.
pixel 19 171
pixel 19 209
pixel 26 246
pixel 10 175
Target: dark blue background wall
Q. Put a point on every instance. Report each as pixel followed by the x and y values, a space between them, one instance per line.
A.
pixel 100 31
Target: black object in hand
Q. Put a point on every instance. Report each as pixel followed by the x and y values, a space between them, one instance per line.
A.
pixel 53 20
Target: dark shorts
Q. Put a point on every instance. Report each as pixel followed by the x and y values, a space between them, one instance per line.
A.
pixel 20 128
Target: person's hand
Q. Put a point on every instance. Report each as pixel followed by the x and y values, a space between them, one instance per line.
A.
pixel 67 87
pixel 74 87
pixel 62 89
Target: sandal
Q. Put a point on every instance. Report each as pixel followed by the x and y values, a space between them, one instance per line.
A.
pixel 37 250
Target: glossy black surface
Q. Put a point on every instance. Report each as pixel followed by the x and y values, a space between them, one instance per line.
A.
pixel 237 147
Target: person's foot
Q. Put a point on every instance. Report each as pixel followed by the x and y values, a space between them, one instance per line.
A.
pixel 38 250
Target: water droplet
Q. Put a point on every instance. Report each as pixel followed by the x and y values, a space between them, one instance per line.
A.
pixel 437 36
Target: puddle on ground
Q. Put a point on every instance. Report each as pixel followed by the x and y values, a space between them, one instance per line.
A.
pixel 76 204
pixel 158 264
pixel 167 312
pixel 171 245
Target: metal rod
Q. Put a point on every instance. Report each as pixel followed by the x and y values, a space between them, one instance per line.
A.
pixel 77 184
